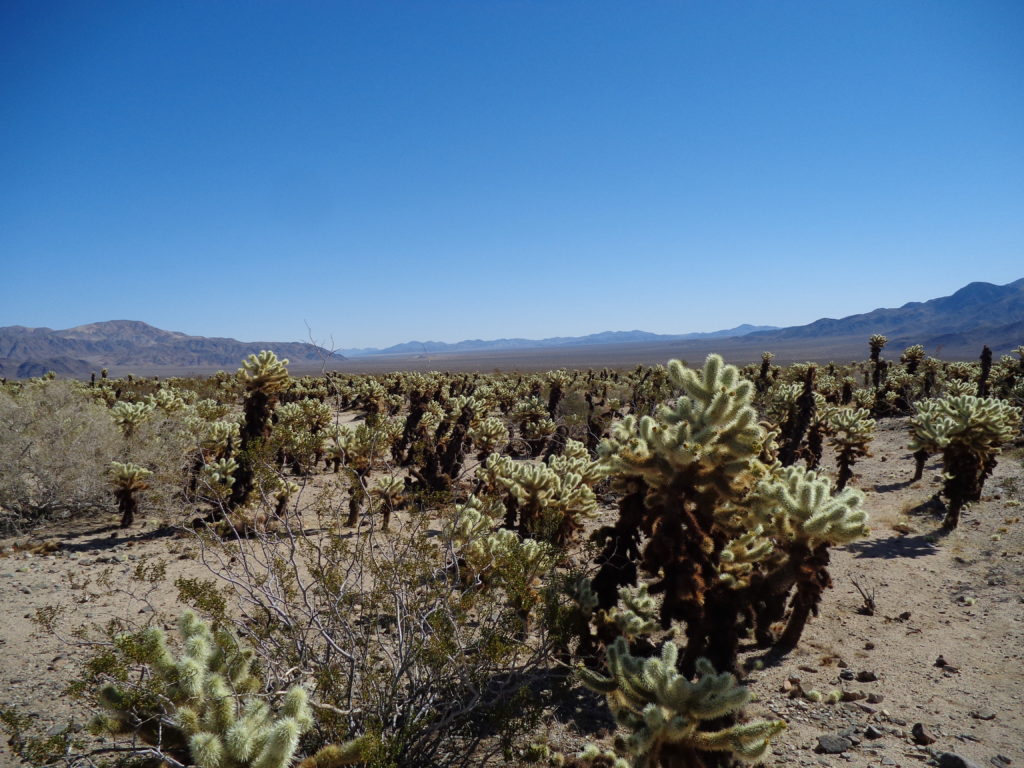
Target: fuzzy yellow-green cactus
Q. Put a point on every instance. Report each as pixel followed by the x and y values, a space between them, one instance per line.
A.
pixel 128 416
pixel 805 509
pixel 850 431
pixel 128 480
pixel 969 431
pixel 710 433
pixel 204 707
pixel 663 711
pixel 489 435
pixel 264 373
pixel 551 498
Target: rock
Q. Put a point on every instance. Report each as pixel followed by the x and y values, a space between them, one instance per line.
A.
pixel 922 735
pixel 853 695
pixel 866 709
pixel 941 661
pixel 871 732
pixel 832 744
pixel 866 676
pixel 847 674
pixel 953 760
pixel 983 714
pixel 875 698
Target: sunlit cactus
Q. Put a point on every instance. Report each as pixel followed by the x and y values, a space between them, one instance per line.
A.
pixel 128 416
pixel 218 478
pixel 128 480
pixel 489 435
pixel 850 431
pixel 389 495
pixel 969 431
pixel 912 357
pixel 204 709
pixel 808 519
pixel 264 377
pixel 664 713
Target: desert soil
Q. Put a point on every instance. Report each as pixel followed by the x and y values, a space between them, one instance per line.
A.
pixel 959 597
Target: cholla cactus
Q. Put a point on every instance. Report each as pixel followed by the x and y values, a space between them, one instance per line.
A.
pixel 128 479
pixel 850 430
pixel 489 435
pixel 808 519
pixel 284 491
pixel 204 708
pixel 551 499
pixel 969 431
pixel 219 477
pixel 264 377
pixel 128 416
pixel 167 400
pixel 912 357
pixel 664 711
pixel 389 493
pixel 498 557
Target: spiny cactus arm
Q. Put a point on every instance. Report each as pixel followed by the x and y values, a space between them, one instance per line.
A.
pixel 357 750
pixel 807 510
pixel 749 742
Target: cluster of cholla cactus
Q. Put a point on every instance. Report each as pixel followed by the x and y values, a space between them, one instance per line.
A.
pixel 696 517
pixel 128 480
pixel 547 500
pixel 498 556
pixel 969 432
pixel 667 716
pixel 204 708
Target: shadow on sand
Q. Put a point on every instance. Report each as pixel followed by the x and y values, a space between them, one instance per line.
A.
pixel 896 546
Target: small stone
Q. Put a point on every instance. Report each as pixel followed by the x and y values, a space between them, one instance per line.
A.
pixel 831 744
pixel 871 732
pixel 847 674
pixel 866 709
pixel 866 676
pixel 888 761
pixel 983 714
pixel 941 661
pixel 922 735
pixel 869 646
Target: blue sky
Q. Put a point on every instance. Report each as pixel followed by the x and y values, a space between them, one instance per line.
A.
pixel 386 171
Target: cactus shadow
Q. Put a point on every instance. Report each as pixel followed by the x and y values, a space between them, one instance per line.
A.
pixel 895 547
pixel 92 540
pixel 890 487
pixel 585 709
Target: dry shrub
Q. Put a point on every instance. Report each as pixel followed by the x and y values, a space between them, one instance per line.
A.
pixel 55 447
pixel 393 642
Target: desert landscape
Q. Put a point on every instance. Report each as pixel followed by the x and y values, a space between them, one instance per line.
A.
pixel 482 383
pixel 508 505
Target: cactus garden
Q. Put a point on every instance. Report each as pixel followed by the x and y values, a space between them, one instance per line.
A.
pixel 696 564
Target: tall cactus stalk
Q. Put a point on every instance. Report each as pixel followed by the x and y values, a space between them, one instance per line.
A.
pixel 264 377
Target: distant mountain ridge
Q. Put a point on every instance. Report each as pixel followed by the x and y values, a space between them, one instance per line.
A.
pixel 606 337
pixel 122 344
pixel 991 314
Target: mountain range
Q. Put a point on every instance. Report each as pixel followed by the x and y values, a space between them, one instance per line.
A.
pixel 953 326
pixel 607 337
pixel 122 345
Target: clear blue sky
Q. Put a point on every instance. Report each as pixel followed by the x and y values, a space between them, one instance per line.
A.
pixel 387 171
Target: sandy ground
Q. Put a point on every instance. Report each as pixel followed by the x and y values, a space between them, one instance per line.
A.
pixel 959 596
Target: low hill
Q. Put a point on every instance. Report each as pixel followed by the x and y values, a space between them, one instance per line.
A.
pixel 125 346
